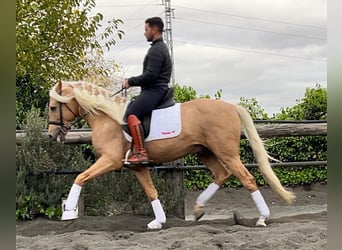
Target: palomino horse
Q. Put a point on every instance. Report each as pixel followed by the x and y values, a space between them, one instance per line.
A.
pixel 210 128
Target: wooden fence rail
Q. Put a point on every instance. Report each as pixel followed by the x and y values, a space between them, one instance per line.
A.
pixel 267 130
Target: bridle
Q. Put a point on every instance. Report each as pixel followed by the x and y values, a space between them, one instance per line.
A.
pixel 63 126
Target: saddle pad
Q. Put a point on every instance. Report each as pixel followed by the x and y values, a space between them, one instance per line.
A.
pixel 165 123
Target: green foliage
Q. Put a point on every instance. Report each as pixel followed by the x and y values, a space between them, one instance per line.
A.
pixel 254 108
pixel 302 148
pixel 184 93
pixel 301 176
pixel 218 94
pixel 312 107
pixel 119 192
pixel 246 153
pixel 39 190
pixel 191 160
pixel 197 179
pixel 54 39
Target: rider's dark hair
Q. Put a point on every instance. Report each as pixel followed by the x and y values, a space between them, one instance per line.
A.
pixel 155 22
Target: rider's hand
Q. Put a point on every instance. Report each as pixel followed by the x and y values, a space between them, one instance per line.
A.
pixel 126 84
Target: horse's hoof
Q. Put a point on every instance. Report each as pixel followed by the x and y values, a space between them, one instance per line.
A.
pixel 69 215
pixel 261 222
pixel 198 211
pixel 154 225
pixel 238 218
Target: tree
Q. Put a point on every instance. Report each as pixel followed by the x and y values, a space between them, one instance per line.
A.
pixel 54 39
pixel 254 108
pixel 303 148
pixel 184 93
pixel 312 107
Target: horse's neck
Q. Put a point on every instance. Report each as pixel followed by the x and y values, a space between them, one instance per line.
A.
pixel 101 121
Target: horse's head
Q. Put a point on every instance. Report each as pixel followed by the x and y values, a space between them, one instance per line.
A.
pixel 63 110
pixel 70 100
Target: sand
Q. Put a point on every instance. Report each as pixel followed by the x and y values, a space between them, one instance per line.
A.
pixel 300 226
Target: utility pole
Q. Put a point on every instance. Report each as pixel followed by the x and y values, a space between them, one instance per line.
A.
pixel 168 34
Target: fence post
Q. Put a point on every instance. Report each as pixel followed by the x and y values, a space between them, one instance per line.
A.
pixel 174 178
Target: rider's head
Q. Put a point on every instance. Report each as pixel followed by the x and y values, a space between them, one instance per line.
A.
pixel 153 28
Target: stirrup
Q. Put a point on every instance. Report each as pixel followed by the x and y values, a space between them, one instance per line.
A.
pixel 129 164
pixel 125 161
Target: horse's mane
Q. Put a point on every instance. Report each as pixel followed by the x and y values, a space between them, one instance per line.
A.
pixel 93 98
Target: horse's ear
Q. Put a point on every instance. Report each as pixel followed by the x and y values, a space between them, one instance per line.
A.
pixel 59 86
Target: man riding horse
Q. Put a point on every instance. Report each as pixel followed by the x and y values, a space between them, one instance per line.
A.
pixel 153 81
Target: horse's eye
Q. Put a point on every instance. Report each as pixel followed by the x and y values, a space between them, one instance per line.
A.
pixel 52 108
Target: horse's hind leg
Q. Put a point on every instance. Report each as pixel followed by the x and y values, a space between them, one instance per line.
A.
pixel 144 177
pixel 235 165
pixel 220 173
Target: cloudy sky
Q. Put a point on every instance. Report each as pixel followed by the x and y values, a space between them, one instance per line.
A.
pixel 268 49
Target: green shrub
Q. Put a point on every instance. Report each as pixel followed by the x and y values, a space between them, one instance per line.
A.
pixel 39 190
pixel 123 190
pixel 286 149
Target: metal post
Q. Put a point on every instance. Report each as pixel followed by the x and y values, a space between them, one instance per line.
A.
pixel 168 34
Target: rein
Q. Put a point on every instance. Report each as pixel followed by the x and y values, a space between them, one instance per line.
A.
pixel 117 92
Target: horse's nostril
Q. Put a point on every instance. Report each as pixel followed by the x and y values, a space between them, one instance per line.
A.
pixel 51 137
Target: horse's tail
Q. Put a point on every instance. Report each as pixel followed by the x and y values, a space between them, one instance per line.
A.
pixel 262 157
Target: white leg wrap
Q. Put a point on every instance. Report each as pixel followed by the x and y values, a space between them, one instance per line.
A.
pixel 261 206
pixel 207 194
pixel 73 197
pixel 159 214
pixel 158 211
pixel 69 211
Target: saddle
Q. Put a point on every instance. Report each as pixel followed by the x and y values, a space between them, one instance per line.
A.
pixel 167 101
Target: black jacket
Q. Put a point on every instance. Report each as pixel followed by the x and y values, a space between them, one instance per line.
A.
pixel 156 69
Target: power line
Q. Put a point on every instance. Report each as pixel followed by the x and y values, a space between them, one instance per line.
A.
pixel 169 11
pixel 143 6
pixel 126 5
pixel 246 28
pixel 232 48
pixel 254 18
pixel 251 51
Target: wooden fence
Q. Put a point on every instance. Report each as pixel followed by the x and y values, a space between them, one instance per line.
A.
pixel 175 170
pixel 266 129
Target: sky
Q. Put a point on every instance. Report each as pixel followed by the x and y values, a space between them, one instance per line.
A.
pixel 271 50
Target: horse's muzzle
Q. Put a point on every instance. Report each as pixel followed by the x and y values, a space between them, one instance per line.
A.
pixel 57 135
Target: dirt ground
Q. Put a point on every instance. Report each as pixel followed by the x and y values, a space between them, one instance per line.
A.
pixel 300 226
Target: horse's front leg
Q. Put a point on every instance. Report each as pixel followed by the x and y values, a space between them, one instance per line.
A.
pixel 103 165
pixel 144 177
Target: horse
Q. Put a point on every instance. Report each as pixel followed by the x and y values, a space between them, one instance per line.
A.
pixel 209 128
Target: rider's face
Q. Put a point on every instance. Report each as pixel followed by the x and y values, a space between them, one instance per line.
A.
pixel 149 32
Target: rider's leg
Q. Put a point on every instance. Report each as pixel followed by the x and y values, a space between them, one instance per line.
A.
pixel 141 106
pixel 139 154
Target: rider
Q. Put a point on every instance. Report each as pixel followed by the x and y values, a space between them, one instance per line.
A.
pixel 154 83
